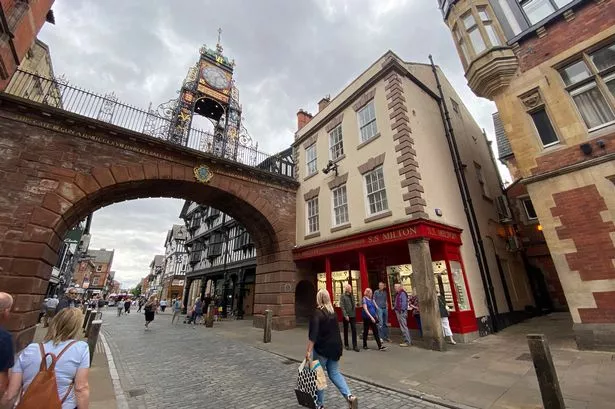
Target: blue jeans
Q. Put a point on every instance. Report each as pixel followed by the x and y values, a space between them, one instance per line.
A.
pixel 402 318
pixel 333 370
pixel 383 318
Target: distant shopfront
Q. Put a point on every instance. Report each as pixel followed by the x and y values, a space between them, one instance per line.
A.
pixel 365 259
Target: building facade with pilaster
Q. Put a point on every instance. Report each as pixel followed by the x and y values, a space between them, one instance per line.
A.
pixel 549 65
pixel 175 263
pixel 399 184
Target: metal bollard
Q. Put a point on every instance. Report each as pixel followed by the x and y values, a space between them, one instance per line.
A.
pixel 545 372
pixel 268 323
pixel 91 318
pixel 93 337
pixel 209 318
pixel 87 316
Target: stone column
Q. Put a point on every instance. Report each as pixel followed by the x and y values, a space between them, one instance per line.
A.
pixel 424 283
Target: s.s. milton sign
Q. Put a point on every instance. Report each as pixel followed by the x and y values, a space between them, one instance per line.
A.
pixel 382 237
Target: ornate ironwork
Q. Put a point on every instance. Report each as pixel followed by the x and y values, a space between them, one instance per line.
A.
pixel 108 107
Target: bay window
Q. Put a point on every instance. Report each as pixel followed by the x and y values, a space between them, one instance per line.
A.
pixel 476 33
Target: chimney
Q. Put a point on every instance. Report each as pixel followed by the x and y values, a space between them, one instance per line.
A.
pixel 322 104
pixel 303 117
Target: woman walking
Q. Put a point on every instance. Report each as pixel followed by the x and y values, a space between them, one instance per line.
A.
pixel 71 368
pixel 325 345
pixel 150 310
pixel 370 319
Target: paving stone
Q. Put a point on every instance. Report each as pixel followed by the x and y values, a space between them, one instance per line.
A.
pixel 192 367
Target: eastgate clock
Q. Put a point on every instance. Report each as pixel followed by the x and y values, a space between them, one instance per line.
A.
pixel 215 77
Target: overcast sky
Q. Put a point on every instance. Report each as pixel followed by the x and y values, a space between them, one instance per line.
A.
pixel 289 54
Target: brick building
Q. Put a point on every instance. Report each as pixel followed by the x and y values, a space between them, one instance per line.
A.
pixel 549 67
pixel 101 276
pixel 396 188
pixel 20 22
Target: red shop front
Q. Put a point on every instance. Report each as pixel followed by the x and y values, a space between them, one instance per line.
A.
pixel 366 258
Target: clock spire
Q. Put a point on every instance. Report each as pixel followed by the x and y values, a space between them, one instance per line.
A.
pixel 218 45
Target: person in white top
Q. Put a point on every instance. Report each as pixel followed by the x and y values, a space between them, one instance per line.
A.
pixel 71 369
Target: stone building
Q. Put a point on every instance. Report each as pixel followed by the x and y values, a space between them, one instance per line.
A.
pixel 548 66
pixel 175 263
pixel 222 260
pixel 386 171
pixel 20 22
pixel 156 268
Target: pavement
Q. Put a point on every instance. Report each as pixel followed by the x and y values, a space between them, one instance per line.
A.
pixel 494 372
pixel 184 366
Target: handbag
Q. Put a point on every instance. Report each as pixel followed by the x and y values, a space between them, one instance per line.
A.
pixel 321 379
pixel 306 386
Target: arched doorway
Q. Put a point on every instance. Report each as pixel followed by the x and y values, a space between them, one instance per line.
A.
pixel 62 167
pixel 305 301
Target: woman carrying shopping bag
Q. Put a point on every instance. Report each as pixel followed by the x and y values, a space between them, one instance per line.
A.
pixel 325 345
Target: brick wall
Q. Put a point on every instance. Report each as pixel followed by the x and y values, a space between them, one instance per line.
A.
pixel 590 19
pixel 58 167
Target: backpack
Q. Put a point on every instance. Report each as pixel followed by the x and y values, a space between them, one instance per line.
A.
pixel 44 387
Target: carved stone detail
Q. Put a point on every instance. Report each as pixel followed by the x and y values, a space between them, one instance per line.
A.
pixel 311 194
pixel 310 141
pixel 532 99
pixel 371 164
pixel 334 122
pixel 364 99
pixel 338 181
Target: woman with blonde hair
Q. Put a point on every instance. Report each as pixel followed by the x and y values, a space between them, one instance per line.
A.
pixel 370 319
pixel 325 345
pixel 150 310
pixel 71 368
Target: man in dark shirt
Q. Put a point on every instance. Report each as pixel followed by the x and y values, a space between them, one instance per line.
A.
pixel 347 304
pixel 69 300
pixel 7 353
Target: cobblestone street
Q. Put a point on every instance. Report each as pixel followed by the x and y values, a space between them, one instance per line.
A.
pixel 190 367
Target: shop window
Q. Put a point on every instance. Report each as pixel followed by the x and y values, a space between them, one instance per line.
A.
pixel 591 84
pixel 312 216
pixel 463 300
pixel 340 279
pixel 336 144
pixel 443 284
pixel 376 191
pixel 403 274
pixel 340 205
pixel 537 10
pixel 367 121
pixel 530 212
pixel 321 281
pixel 311 160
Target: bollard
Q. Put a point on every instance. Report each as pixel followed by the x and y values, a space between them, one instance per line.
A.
pixel 88 324
pixel 93 337
pixel 209 319
pixel 87 316
pixel 268 322
pixel 545 372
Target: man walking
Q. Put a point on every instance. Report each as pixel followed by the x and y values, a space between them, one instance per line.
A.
pixel 7 354
pixel 401 312
pixel 69 300
pixel 50 311
pixel 177 309
pixel 198 311
pixel 380 297
pixel 348 305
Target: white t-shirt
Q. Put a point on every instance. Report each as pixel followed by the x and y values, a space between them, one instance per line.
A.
pixel 52 303
pixel 75 357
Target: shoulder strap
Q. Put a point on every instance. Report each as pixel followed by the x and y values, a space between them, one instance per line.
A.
pixel 43 357
pixel 57 358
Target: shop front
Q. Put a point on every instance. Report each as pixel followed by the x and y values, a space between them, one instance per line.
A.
pixel 365 259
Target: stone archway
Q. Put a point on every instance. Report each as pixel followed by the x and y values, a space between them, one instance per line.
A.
pixel 305 301
pixel 58 167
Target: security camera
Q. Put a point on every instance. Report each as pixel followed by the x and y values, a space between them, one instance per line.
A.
pixel 331 166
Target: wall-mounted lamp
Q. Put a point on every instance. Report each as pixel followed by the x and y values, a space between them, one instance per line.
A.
pixel 586 148
pixel 331 166
pixel 438 212
pixel 539 227
pixel 601 144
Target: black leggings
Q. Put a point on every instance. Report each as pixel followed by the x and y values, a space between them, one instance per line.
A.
pixel 367 324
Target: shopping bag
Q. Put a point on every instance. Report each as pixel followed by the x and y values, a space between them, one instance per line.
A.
pixel 321 379
pixel 306 386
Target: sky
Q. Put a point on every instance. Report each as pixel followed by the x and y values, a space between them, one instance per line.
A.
pixel 288 55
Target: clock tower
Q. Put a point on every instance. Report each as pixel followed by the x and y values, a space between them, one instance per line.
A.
pixel 208 90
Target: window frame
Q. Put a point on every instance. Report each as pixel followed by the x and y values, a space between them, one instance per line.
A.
pixel 557 138
pixel 462 37
pixel 364 108
pixel 552 3
pixel 340 143
pixel 385 207
pixel 596 79
pixel 309 161
pixel 314 216
pixel 527 214
pixel 480 178
pixel 345 204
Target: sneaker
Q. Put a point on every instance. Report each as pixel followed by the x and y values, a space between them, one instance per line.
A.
pixel 382 348
pixel 347 348
pixel 353 402
pixel 365 347
pixel 356 349
pixel 403 344
pixel 452 341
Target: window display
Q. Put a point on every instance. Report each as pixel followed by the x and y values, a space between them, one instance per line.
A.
pixel 399 274
pixel 403 274
pixel 443 284
pixel 322 281
pixel 340 279
pixel 460 286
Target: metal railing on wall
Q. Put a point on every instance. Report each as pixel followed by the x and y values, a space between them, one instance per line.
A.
pixel 57 92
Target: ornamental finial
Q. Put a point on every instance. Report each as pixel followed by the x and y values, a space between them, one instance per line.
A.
pixel 219 46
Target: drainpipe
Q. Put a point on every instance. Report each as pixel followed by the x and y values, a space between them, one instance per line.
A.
pixel 467 204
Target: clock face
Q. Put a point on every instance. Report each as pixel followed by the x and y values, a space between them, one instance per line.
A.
pixel 215 77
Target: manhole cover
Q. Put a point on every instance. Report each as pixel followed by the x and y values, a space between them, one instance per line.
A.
pixel 524 357
pixel 133 393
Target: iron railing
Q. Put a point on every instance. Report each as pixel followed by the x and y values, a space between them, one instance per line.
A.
pixel 57 92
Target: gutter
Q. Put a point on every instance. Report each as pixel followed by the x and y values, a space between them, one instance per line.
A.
pixel 467 204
